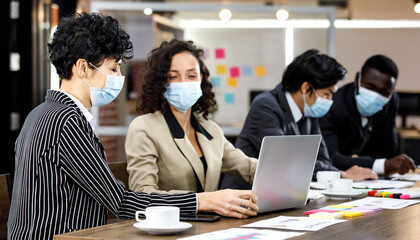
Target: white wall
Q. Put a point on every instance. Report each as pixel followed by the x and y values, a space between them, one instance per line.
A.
pixel 354 46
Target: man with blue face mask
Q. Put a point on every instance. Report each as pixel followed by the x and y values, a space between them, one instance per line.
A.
pixel 293 108
pixel 360 128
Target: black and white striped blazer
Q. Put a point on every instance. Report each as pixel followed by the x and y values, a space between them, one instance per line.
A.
pixel 62 181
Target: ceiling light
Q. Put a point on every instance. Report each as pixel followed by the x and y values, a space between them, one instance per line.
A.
pixel 417 8
pixel 225 14
pixel 148 11
pixel 282 15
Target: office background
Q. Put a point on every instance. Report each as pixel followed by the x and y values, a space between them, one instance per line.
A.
pixel 241 60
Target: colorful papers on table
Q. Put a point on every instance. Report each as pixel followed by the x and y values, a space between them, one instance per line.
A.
pixel 294 223
pixel 382 184
pixel 385 203
pixel 340 211
pixel 242 233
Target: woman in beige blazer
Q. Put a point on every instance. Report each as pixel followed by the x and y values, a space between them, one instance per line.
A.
pixel 173 147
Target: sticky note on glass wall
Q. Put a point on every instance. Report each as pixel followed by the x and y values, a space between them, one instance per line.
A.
pixel 219 53
pixel 221 69
pixel 215 81
pixel 260 71
pixel 234 72
pixel 232 82
pixel 229 98
pixel 247 71
pixel 205 53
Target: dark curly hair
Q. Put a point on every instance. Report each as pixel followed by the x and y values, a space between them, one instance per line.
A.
pixel 151 99
pixel 92 37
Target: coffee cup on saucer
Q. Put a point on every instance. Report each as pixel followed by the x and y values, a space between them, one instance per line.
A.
pixel 160 216
pixel 340 186
pixel 323 177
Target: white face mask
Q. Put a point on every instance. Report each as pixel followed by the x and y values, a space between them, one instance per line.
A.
pixel 369 102
pixel 319 108
pixel 183 95
pixel 113 87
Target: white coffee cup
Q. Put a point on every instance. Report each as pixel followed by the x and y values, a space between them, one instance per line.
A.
pixel 340 185
pixel 323 177
pixel 160 216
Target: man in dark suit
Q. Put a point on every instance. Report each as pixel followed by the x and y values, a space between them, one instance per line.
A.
pixel 293 108
pixel 360 127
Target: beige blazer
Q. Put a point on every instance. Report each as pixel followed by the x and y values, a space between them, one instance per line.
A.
pixel 160 158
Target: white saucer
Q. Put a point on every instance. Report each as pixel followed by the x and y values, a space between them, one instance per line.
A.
pixel 316 185
pixel 156 230
pixel 341 195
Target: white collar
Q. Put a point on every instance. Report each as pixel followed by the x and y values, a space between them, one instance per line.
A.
pixel 297 114
pixel 89 117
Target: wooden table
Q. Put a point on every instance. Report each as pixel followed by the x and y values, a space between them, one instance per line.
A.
pixel 388 224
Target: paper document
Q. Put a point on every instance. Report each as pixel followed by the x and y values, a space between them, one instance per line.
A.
pixel 382 184
pixel 385 203
pixel 407 177
pixel 242 233
pixel 294 223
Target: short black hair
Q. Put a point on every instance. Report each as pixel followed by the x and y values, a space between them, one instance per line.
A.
pixel 93 37
pixel 382 63
pixel 320 70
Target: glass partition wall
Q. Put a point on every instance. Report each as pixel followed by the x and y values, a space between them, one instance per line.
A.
pixel 246 53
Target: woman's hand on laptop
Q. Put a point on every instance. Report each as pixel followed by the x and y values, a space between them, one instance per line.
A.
pixel 229 203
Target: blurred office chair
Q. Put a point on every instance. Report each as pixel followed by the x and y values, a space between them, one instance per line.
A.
pixel 5 194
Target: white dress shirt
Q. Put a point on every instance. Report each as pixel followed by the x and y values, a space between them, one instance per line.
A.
pixel 297 114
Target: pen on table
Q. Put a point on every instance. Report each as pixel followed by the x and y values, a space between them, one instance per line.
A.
pixel 409 196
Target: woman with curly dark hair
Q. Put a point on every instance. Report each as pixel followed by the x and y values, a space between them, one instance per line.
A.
pixel 173 147
pixel 62 181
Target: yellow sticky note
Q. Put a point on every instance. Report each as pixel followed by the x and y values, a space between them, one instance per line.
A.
pixel 232 82
pixel 221 69
pixel 260 71
pixel 351 214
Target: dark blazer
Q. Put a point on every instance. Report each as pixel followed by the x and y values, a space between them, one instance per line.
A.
pixel 348 142
pixel 270 115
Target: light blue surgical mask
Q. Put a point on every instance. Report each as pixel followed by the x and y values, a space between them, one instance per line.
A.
pixel 113 86
pixel 319 108
pixel 369 102
pixel 183 95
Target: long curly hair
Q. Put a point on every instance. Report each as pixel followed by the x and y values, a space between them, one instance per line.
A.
pixel 150 97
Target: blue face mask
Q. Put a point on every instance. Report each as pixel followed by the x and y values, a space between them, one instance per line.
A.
pixel 183 95
pixel 319 108
pixel 113 86
pixel 369 102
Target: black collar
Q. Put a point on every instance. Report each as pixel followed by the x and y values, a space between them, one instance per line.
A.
pixel 176 129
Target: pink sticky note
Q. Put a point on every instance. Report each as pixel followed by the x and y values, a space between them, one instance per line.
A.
pixel 234 72
pixel 220 53
pixel 319 210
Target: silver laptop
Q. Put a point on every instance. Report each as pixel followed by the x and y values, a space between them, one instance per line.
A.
pixel 284 171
